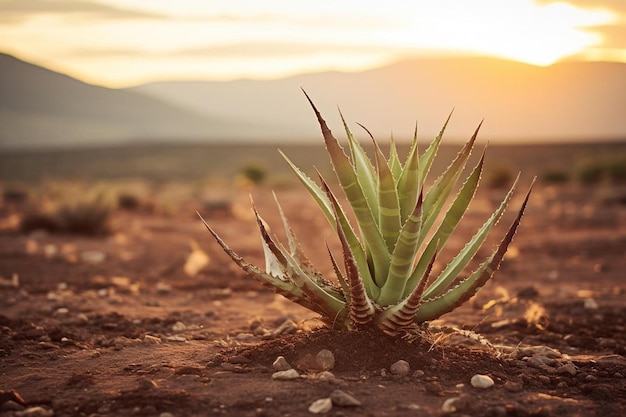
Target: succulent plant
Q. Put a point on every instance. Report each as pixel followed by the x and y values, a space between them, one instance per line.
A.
pixel 385 281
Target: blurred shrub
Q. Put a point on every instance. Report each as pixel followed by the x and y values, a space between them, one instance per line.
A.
pixel 89 215
pixel 593 173
pixel 500 177
pixel 254 172
pixel 553 176
pixel 14 195
pixel 128 201
pixel 617 170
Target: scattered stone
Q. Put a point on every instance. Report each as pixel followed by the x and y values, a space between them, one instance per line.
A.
pixel 418 374
pixel 281 364
pixel 400 368
pixel 541 362
pixel 513 386
pixel 568 368
pixel 35 412
pixel 286 375
pixel 245 337
pixel 151 339
pixel 93 256
pixel 343 399
pixel 121 342
pixel 175 339
pixel 539 350
pixel 286 327
pixel 326 376
pixel 325 360
pixel 196 262
pixel 591 304
pixel 179 326
pixel 321 406
pixel 450 405
pixel 481 381
pixel 163 288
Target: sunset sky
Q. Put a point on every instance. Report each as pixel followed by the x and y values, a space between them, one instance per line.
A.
pixel 119 43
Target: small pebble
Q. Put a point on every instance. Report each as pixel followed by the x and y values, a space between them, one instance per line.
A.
pixel 449 405
pixel 568 368
pixel 281 364
pixel 286 375
pixel 538 362
pixel 591 304
pixel 92 256
pixel 400 368
pixel 343 399
pixel 326 376
pixel 321 406
pixel 325 360
pixel 245 337
pixel 481 381
pixel 179 326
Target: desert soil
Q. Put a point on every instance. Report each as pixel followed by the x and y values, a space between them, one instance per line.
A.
pixel 117 325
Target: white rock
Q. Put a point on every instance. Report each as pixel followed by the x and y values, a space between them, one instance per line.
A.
pixel 179 326
pixel 449 405
pixel 93 256
pixel 325 360
pixel 343 399
pixel 326 376
pixel 481 381
pixel 281 364
pixel 400 368
pixel 321 406
pixel 591 304
pixel 285 375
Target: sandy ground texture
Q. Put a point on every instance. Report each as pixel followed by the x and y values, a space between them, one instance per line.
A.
pixel 155 320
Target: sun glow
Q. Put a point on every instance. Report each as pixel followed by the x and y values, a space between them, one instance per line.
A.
pixel 518 30
pixel 124 42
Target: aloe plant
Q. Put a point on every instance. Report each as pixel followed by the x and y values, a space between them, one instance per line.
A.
pixel 385 281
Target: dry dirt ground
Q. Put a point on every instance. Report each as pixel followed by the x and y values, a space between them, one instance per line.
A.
pixel 115 326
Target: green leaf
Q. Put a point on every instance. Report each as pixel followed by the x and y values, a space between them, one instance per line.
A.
pixel 389 220
pixel 284 287
pixel 402 315
pixel 372 237
pixel 402 258
pixel 394 159
pixel 366 175
pixel 426 160
pixel 355 246
pixel 436 307
pixel 460 261
pixel 410 181
pixel 453 216
pixel 318 195
pixel 442 188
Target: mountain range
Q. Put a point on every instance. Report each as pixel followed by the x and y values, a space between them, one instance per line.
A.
pixel 567 101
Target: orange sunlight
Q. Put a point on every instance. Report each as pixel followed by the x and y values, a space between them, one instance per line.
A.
pixel 123 43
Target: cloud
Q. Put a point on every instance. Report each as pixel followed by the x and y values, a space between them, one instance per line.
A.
pixel 246 50
pixel 614 34
pixel 617 6
pixel 14 11
pixel 265 49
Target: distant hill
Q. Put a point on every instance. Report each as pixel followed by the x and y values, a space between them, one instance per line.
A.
pixel 39 107
pixel 568 101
